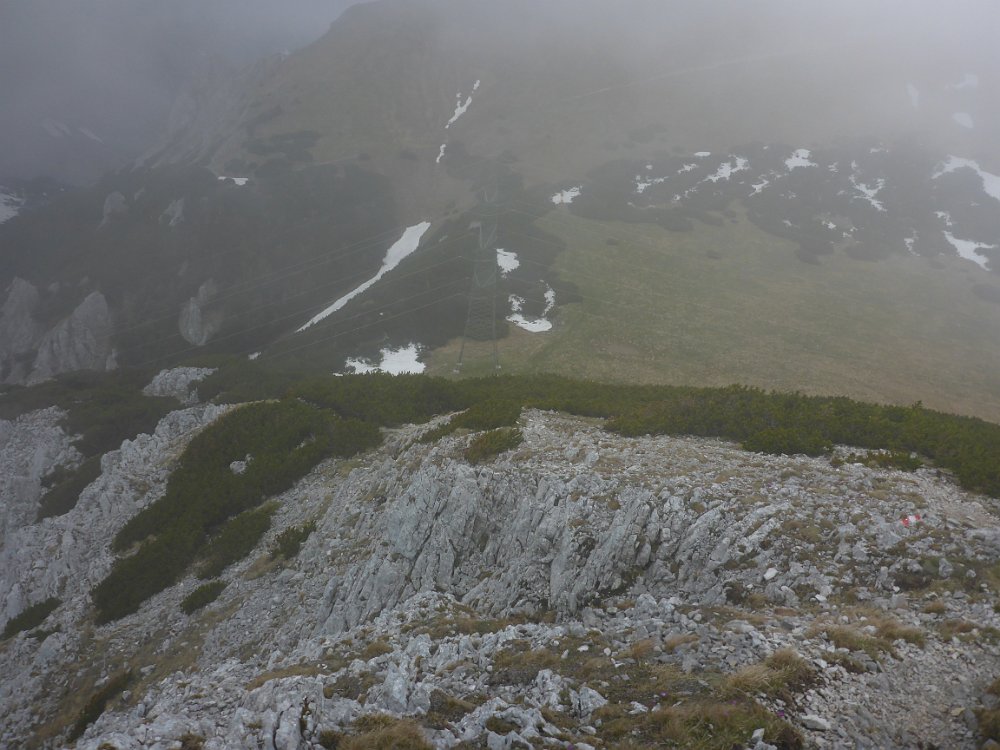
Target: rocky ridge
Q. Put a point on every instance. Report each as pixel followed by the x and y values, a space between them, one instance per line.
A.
pixel 527 597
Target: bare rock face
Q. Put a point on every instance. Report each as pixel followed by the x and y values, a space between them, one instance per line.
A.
pixel 114 204
pixel 532 588
pixel 19 331
pixel 80 342
pixel 197 326
pixel 179 383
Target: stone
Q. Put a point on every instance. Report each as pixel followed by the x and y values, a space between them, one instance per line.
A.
pixel 815 723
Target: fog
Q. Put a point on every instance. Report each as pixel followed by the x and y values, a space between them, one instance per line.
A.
pixel 88 84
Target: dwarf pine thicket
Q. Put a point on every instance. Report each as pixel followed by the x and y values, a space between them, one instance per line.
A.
pixel 291 424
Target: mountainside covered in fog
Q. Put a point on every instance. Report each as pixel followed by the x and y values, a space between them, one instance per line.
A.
pixel 87 86
pixel 804 202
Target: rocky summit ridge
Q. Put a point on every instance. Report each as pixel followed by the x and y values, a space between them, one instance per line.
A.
pixel 583 590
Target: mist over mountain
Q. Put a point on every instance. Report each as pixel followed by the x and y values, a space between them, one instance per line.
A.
pixel 499 374
pixel 87 85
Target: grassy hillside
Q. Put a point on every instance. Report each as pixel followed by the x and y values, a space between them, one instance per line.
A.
pixel 729 303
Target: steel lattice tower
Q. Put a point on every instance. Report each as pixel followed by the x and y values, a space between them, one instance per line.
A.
pixel 481 321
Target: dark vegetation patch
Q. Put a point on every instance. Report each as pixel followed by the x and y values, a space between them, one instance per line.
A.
pixel 485 415
pixel 236 540
pixel 967 446
pixel 30 618
pixel 289 542
pixel 202 596
pixel 63 496
pixel 490 444
pixel 103 408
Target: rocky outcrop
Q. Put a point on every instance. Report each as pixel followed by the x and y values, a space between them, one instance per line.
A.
pixel 178 383
pixel 19 331
pixel 80 342
pixel 197 325
pixel 30 448
pixel 590 555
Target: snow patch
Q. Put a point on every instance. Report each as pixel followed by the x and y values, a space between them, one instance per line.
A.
pixel 507 261
pixel 969 81
pixel 869 191
pixel 759 187
pixel 174 213
pixel 566 196
pixel 253 357
pixel 240 181
pixel 441 153
pixel 702 154
pixel 404 360
pixel 55 129
pixel 462 107
pixel 91 135
pixel 800 158
pixel 914 93
pixel 10 206
pixel 728 169
pixel 395 255
pixel 532 325
pixel 910 242
pixel 969 249
pixel 687 168
pixel 991 182
pixel 964 119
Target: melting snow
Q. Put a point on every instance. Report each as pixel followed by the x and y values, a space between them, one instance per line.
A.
pixel 687 168
pixel 395 255
pixel 702 154
pixel 402 361
pixel 91 135
pixel 240 181
pixel 914 93
pixel 462 107
pixel 800 159
pixel 728 169
pixel 969 81
pixel 254 356
pixel 174 213
pixel 991 182
pixel 507 261
pixel 10 206
pixel 945 216
pixel 870 192
pixel 566 196
pixel 910 242
pixel 964 119
pixel 968 249
pixel 642 185
pixel 535 325
pixel 759 187
pixel 55 129
pixel 441 153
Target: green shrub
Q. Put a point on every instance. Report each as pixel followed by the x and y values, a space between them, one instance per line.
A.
pixel 236 540
pixel 489 445
pixel 63 496
pixel 202 596
pixel 30 618
pixel 289 541
pixel 286 439
pixel 787 441
pixel 484 415
pixel 98 702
